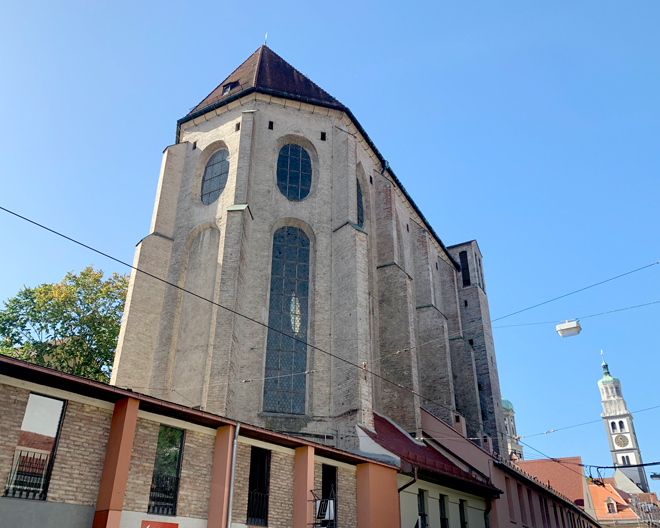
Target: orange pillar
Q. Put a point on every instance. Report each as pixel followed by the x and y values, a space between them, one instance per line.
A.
pixel 377 497
pixel 303 484
pixel 115 468
pixel 221 476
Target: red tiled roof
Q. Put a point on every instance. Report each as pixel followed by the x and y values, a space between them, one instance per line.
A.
pixel 565 476
pixel 417 454
pixel 266 71
pixel 599 494
pixel 35 441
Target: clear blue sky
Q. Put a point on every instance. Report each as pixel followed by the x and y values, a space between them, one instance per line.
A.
pixel 532 128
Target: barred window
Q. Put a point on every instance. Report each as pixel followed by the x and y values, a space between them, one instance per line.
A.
pixel 215 176
pixel 294 172
pixel 360 205
pixel 286 358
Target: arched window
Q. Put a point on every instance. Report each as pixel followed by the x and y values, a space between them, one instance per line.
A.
pixel 621 427
pixel 286 358
pixel 360 205
pixel 294 172
pixel 215 176
pixel 613 424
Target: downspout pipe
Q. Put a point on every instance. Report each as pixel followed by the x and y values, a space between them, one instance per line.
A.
pixel 233 473
pixel 411 482
pixel 489 507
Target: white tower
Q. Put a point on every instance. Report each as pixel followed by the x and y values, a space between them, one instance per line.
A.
pixel 620 430
pixel 510 430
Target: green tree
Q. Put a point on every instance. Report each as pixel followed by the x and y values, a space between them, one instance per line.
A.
pixel 71 325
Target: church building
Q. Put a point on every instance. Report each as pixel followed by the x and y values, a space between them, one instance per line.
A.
pixel 304 290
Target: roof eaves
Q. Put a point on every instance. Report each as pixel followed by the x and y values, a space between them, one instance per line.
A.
pixel 340 107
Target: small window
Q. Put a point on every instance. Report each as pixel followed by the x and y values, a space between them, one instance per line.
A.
pixel 167 472
pixel 360 206
pixel 466 303
pixel 471 341
pixel 483 415
pixel 465 269
pixel 421 508
pixel 478 384
pixel 444 518
pixel 229 87
pixel 521 502
pixel 215 176
pixel 436 265
pixel 408 228
pixel 613 427
pixel 621 427
pixel 30 471
pixel 611 508
pixel 270 125
pixel 194 145
pixel 238 126
pixel 259 484
pixel 457 419
pixel 294 172
pixel 462 510
pixel 371 180
pixel 322 136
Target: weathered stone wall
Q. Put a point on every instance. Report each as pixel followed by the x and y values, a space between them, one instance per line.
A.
pixel 80 454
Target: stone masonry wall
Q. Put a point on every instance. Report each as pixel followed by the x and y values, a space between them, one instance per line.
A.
pixel 80 454
pixel 346 498
pixel 241 483
pixel 196 466
pixel 13 402
pixel 141 469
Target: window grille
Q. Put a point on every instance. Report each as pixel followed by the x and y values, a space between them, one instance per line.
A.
pixel 294 172
pixel 360 206
pixel 465 269
pixel 32 465
pixel 259 484
pixel 215 176
pixel 285 385
pixel 167 472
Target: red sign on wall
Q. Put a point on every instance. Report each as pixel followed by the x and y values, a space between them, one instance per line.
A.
pixel 158 524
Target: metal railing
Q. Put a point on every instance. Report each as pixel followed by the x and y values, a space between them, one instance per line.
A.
pixel 164 492
pixel 29 475
pixel 257 510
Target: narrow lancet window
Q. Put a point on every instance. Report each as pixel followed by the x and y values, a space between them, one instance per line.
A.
pixel 294 172
pixel 465 269
pixel 360 205
pixel 215 176
pixel 286 355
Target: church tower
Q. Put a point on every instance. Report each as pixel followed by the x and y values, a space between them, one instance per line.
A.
pixel 305 289
pixel 515 449
pixel 620 430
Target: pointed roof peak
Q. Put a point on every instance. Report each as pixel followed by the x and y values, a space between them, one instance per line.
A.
pixel 266 72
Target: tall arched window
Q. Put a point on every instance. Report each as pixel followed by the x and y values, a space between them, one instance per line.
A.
pixel 621 428
pixel 613 427
pixel 286 358
pixel 215 176
pixel 360 205
pixel 294 172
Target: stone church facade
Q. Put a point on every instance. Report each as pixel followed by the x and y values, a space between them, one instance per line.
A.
pixel 331 295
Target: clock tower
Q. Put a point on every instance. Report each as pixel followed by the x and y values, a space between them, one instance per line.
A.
pixel 620 430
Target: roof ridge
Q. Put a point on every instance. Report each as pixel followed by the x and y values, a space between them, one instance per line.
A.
pixel 256 70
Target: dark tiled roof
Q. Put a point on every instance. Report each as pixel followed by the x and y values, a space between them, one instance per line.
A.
pixel 267 72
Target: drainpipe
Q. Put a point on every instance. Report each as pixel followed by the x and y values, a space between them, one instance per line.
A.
pixel 232 473
pixel 489 506
pixel 411 482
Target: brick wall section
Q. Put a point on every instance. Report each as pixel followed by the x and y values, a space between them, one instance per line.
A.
pixel 80 454
pixel 280 495
pixel 318 482
pixel 141 469
pixel 196 466
pixel 13 402
pixel 346 498
pixel 241 482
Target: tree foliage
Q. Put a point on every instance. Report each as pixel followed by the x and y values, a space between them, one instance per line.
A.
pixel 71 325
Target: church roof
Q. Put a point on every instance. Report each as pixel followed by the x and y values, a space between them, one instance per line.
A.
pixel 265 71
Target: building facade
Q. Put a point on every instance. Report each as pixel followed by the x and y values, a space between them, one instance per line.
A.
pixel 620 430
pixel 304 288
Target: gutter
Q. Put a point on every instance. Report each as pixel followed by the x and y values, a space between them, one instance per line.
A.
pixel 412 481
pixel 489 507
pixel 341 108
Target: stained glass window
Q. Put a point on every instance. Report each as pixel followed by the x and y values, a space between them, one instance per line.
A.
pixel 215 176
pixel 286 358
pixel 360 205
pixel 294 172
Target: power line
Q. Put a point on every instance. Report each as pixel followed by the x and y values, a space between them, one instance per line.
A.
pixel 164 281
pixel 576 291
pixel 583 316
